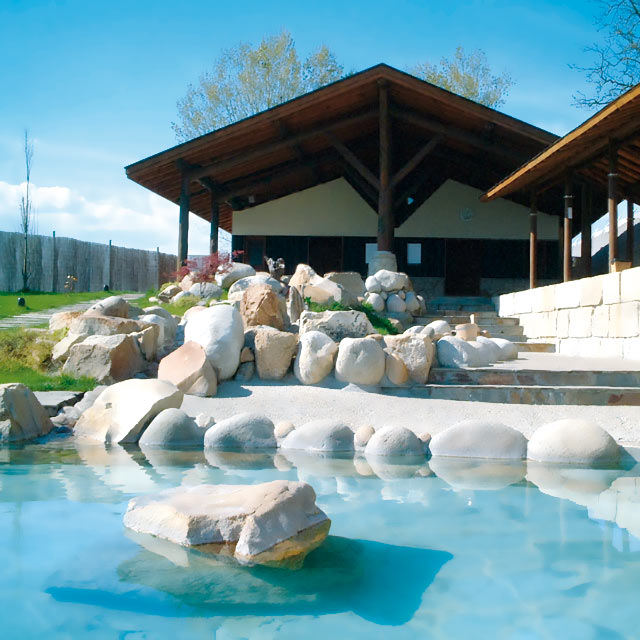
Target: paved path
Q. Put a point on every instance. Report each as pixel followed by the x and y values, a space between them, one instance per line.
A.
pixel 36 318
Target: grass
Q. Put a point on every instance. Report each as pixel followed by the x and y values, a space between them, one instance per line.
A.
pixel 39 301
pixel 177 309
pixel 25 356
pixel 381 324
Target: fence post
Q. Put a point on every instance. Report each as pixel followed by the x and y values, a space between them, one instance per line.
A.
pixel 110 259
pixel 54 269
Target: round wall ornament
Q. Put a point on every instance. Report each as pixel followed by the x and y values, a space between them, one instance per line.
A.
pixel 466 214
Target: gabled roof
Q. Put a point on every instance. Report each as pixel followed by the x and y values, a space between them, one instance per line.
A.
pixel 585 151
pixel 291 147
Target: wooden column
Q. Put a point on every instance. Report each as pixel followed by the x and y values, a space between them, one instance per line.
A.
pixel 385 210
pixel 586 215
pixel 560 244
pixel 613 205
pixel 568 217
pixel 183 225
pixel 213 229
pixel 630 231
pixel 533 243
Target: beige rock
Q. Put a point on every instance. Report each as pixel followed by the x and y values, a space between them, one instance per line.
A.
pixel 62 349
pixel 274 351
pixel 186 283
pixel 362 435
pixel 191 312
pixel 337 324
pixel 350 281
pixel 274 523
pixel 148 341
pixel 295 304
pixel 283 429
pixel 302 276
pixel 360 361
pixel 315 357
pixel 260 305
pixel 246 355
pixel 97 325
pixel 415 351
pixel 169 292
pixel 188 369
pixel 114 306
pixel 395 369
pixel 122 411
pixel 63 319
pixel 106 358
pixel 22 417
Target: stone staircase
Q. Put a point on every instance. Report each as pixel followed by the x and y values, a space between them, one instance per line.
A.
pixel 460 310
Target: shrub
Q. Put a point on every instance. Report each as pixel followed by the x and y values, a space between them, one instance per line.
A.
pixel 205 269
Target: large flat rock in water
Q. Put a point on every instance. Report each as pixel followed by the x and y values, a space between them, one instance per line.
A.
pixel 275 523
pixel 53 401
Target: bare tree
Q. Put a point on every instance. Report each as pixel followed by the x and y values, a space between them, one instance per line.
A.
pixel 468 74
pixel 616 65
pixel 27 213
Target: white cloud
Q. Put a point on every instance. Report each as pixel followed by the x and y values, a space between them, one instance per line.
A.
pixel 145 221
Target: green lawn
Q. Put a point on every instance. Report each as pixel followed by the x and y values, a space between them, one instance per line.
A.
pixel 13 371
pixel 40 301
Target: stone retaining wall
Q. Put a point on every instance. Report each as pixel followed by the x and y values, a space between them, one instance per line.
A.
pixel 53 259
pixel 598 316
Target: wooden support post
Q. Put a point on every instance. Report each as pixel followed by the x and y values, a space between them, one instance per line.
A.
pixel 560 244
pixel 586 215
pixel 213 229
pixel 630 230
pixel 612 201
pixel 568 217
pixel 533 242
pixel 385 208
pixel 183 228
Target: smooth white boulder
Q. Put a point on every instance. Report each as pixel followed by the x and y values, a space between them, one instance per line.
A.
pixel 573 441
pixel 412 303
pixel 157 310
pixel 440 328
pixel 320 436
pixel 234 272
pixel 22 417
pixel 206 290
pixel 350 281
pixel 376 301
pixel 122 411
pixel 337 324
pixel 479 439
pixel 494 352
pixel 220 332
pixel 396 304
pixel 360 361
pixel 508 349
pixel 115 306
pixel 394 441
pixel 271 523
pixel 283 429
pixel 361 437
pixel 315 357
pixel 372 285
pixel 172 427
pixel 242 432
pixel 167 327
pixel 456 353
pixel 240 286
pixel 392 280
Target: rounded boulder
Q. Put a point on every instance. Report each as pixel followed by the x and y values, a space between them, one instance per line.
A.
pixel 242 432
pixel 320 436
pixel 315 358
pixel 360 361
pixel 172 427
pixel 394 441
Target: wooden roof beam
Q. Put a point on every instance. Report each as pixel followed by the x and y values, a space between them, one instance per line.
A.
pixel 354 161
pixel 409 166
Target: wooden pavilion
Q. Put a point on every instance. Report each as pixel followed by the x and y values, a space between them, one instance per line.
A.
pixel 393 138
pixel 597 160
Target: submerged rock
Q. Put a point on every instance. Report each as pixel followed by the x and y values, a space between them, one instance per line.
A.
pixel 172 427
pixel 22 417
pixel 242 432
pixel 320 436
pixel 394 441
pixel 275 523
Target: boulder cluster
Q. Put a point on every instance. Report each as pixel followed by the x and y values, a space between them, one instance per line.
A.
pixel 391 293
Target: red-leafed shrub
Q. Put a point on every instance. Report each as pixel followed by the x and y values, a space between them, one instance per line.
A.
pixel 205 268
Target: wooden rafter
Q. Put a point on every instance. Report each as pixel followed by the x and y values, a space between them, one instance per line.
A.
pixel 411 164
pixel 353 160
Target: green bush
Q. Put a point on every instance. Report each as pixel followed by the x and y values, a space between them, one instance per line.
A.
pixel 381 324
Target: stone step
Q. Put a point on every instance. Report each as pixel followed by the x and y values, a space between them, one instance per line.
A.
pixel 484 322
pixel 460 309
pixel 491 376
pixel 452 320
pixel 536 347
pixel 503 330
pixel 508 394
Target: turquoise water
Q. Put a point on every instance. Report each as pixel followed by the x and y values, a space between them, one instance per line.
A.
pixel 446 549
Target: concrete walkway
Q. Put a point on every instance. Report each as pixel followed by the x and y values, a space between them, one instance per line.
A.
pixel 37 318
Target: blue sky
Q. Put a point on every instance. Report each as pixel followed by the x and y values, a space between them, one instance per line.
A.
pixel 96 84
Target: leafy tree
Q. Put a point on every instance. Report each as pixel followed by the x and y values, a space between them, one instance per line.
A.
pixel 468 74
pixel 245 80
pixel 616 66
pixel 27 213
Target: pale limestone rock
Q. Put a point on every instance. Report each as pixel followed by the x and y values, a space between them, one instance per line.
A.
pixel 172 427
pixel 360 361
pixel 169 292
pixel 493 350
pixel 189 369
pixel 166 328
pixel 325 291
pixel 315 357
pixel 392 280
pixel 190 312
pixel 205 421
pixel 320 436
pixel 372 285
pixel 412 303
pixel 302 276
pixel 350 281
pixel 235 272
pixel 573 441
pixel 396 304
pixel 246 355
pixel 206 290
pixel 283 429
pixel 376 301
pixel 274 351
pixel 148 341
pixel 508 349
pixel 261 306
pixel 106 358
pixel 246 371
pixel 242 432
pixel 455 353
pixel 157 310
pixel 275 523
pixel 394 441
pixel 220 332
pixel 479 439
pixel 22 417
pixel 416 353
pixel 112 306
pixel 440 327
pixel 362 436
pixel 62 349
pixel 186 283
pixel 63 320
pixel 97 325
pixel 122 411
pixel 295 304
pixel 240 286
pixel 337 324
pixel 185 296
pixel 395 369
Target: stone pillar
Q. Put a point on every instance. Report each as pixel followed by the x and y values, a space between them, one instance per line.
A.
pixel 382 260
